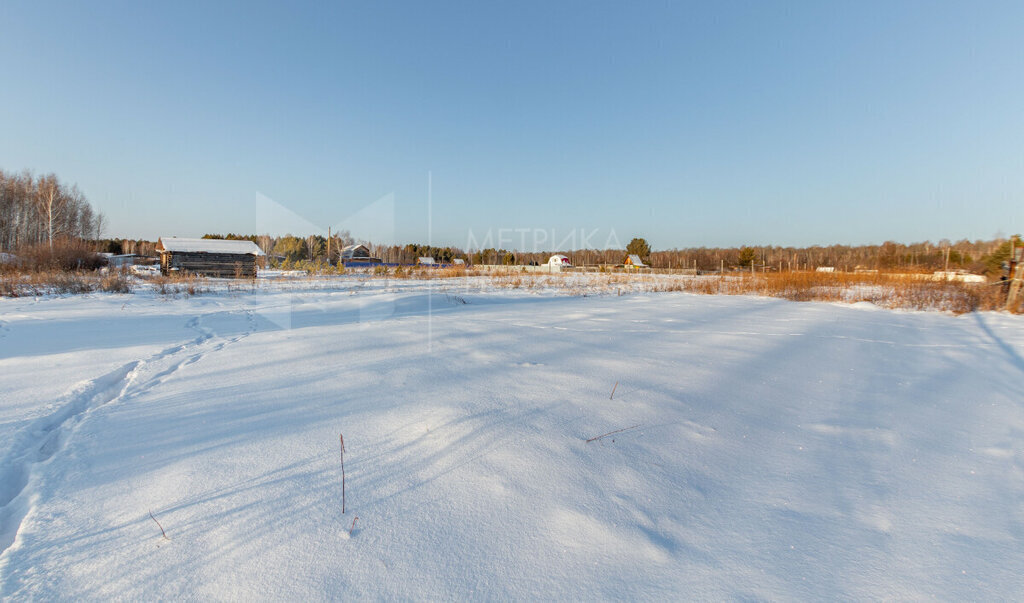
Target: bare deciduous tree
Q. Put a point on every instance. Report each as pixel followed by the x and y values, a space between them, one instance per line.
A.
pixel 36 210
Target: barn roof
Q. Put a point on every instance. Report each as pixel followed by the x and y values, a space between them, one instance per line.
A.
pixel 181 245
pixel 355 252
pixel 635 260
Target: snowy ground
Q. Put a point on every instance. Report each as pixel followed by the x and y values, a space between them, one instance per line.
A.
pixel 783 450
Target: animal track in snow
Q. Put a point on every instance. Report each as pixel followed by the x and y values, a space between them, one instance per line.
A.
pixel 48 436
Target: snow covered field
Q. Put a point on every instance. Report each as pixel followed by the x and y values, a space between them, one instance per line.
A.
pixel 781 450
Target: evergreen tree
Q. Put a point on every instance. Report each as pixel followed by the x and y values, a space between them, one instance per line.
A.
pixel 747 256
pixel 639 247
pixel 994 261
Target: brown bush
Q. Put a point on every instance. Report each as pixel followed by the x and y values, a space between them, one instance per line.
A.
pixel 116 282
pixel 449 272
pixel 70 282
pixel 10 285
pixel 64 255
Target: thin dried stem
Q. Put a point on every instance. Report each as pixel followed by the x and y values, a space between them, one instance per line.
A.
pixel 341 440
pixel 604 435
pixel 158 525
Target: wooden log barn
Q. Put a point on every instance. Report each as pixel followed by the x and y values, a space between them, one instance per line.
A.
pixel 218 258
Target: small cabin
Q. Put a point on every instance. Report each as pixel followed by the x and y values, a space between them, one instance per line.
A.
pixel 218 258
pixel 557 262
pixel 425 261
pixel 633 261
pixel 459 262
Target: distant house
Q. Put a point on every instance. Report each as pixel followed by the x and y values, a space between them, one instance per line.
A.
pixel 559 260
pixel 426 261
pixel 825 269
pixel 458 262
pixel 634 261
pixel 217 258
pixel 357 254
pixel 119 260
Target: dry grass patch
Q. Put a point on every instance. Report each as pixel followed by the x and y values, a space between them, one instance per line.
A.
pixel 887 290
pixel 59 282
pixel 180 284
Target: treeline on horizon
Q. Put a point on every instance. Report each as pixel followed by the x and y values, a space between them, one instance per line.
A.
pixel 40 216
pixel 975 256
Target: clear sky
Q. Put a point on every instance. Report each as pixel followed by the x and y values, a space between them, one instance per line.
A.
pixel 688 123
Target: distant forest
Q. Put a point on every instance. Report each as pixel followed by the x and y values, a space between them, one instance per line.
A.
pixel 38 211
pixel 975 256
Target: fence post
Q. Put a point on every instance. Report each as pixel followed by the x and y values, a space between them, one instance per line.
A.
pixel 1016 280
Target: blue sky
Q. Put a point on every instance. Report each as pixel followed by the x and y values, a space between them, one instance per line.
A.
pixel 713 123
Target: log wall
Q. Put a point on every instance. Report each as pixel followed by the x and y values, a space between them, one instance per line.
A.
pixel 216 265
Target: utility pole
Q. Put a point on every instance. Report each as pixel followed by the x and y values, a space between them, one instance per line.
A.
pixel 1016 277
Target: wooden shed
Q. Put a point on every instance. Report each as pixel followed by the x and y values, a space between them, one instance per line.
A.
pixel 218 258
pixel 633 261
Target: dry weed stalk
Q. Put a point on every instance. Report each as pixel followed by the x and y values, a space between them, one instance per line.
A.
pixel 341 440
pixel 604 435
pixel 162 532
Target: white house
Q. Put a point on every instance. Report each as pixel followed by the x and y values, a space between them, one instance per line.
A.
pixel 559 260
pixel 426 261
